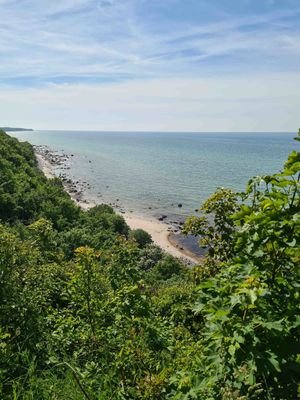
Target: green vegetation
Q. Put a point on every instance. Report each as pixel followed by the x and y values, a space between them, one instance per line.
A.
pixel 92 310
pixel 10 129
pixel 141 237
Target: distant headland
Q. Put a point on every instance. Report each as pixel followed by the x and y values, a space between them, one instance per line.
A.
pixel 10 129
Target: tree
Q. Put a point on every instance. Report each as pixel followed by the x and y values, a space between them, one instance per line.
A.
pixel 141 237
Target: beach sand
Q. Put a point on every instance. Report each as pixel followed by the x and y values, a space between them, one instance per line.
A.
pixel 45 166
pixel 158 230
pixel 160 236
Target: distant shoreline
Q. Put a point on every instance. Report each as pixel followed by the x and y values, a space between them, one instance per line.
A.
pixel 159 231
pixel 9 129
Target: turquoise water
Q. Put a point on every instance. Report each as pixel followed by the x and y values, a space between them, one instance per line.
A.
pixel 160 170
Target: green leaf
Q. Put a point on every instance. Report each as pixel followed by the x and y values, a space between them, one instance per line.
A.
pixel 231 350
pixel 292 243
pixel 273 360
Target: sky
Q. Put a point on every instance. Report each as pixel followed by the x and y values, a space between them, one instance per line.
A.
pixel 150 65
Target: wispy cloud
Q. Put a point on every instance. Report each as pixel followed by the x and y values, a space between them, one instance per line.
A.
pixel 62 51
pixel 87 37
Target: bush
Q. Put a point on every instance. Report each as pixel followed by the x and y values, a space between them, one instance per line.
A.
pixel 141 237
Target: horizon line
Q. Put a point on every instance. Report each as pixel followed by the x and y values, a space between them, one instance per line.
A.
pixel 142 131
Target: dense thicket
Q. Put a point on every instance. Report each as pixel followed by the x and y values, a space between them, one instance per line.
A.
pixel 92 310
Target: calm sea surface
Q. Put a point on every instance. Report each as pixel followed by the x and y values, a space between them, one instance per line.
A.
pixel 161 170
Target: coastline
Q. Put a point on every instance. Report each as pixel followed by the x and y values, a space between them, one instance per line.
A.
pixel 159 231
pixel 45 166
pixel 161 236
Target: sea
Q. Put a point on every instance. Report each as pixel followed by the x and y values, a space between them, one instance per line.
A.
pixel 164 173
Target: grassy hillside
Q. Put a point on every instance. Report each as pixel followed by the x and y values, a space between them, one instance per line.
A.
pixel 90 311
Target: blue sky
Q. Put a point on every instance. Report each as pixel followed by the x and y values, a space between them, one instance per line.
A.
pixel 194 65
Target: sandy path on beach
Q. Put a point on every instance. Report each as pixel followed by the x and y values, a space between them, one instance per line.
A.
pixel 45 166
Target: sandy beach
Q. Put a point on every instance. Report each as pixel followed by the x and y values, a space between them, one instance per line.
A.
pixel 159 231
pixel 45 166
pixel 160 235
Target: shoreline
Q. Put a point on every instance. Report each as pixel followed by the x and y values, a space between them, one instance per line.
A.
pixel 159 231
pixel 161 236
pixel 45 166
